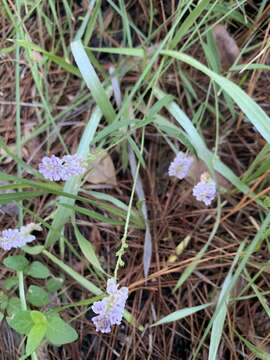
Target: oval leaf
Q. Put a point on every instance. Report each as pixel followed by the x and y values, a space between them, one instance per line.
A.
pixel 59 332
pixel 16 262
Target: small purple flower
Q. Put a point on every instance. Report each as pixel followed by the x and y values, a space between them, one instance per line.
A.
pixel 16 238
pixel 51 168
pixel 110 309
pixel 205 190
pixel 72 165
pixel 181 165
pixel 56 169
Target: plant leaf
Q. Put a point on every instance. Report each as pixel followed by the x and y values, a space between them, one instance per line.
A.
pixel 180 314
pixel 87 249
pixel 16 262
pixel 59 332
pixel 38 271
pixel 21 322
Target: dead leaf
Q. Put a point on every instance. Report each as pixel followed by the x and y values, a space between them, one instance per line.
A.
pixel 102 170
pixel 227 47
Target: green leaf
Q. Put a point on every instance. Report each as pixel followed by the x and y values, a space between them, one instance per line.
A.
pixel 35 337
pixel 219 315
pixel 18 196
pixel 21 322
pixel 219 319
pixel 38 317
pixel 92 81
pixel 10 282
pixel 14 306
pixel 16 262
pixel 38 271
pixel 59 332
pixel 77 277
pixel 56 59
pixel 135 52
pixel 37 332
pixel 3 300
pixel 188 22
pixel 33 250
pixel 87 249
pixel 180 314
pixel 54 284
pixel 37 296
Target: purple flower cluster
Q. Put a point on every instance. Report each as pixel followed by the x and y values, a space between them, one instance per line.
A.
pixel 110 309
pixel 56 169
pixel 205 190
pixel 51 168
pixel 180 166
pixel 16 238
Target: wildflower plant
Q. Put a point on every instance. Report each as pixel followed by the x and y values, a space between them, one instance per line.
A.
pixel 32 322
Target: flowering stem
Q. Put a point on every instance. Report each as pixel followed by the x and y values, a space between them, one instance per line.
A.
pixel 124 245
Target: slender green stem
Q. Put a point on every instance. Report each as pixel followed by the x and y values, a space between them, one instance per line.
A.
pixel 124 245
pixel 21 290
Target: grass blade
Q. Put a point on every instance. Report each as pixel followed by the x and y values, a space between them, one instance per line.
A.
pixel 180 314
pixel 92 81
pixel 259 353
pixel 219 320
pixel 87 249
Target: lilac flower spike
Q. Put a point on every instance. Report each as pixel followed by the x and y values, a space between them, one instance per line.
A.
pixel 56 169
pixel 110 309
pixel 16 238
pixel 180 166
pixel 51 168
pixel 205 190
